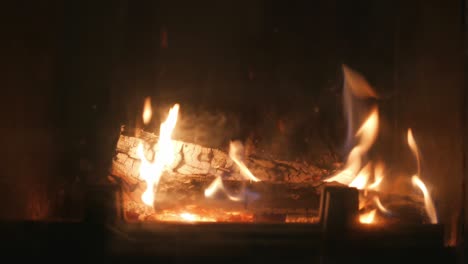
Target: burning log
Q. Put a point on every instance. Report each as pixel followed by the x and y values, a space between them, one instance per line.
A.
pixel 195 161
pixel 283 187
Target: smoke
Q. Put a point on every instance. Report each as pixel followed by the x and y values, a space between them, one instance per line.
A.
pixel 208 129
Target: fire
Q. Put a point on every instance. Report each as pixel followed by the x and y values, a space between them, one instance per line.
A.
pixel 217 185
pixel 414 148
pixel 380 206
pixel 367 135
pixel 151 171
pixel 147 111
pixel 361 179
pixel 378 177
pixel 235 153
pixel 428 204
pixel 367 218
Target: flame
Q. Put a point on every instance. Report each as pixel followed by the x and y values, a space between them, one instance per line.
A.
pixel 378 177
pixel 414 148
pixel 217 185
pixel 235 153
pixel 361 179
pixel 367 218
pixel 358 84
pixel 147 111
pixel 380 206
pixel 428 204
pixel 188 217
pixel 367 134
pixel 164 156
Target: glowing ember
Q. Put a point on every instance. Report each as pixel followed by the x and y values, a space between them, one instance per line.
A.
pixel 147 111
pixel 367 218
pixel 429 206
pixel 164 156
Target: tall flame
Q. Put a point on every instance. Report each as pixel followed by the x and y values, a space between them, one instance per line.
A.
pixel 151 171
pixel 378 177
pixel 355 87
pixel 428 204
pixel 361 179
pixel 147 111
pixel 414 148
pixel 367 135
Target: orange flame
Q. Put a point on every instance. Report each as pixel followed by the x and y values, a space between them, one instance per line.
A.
pixel 235 153
pixel 378 177
pixel 361 179
pixel 367 218
pixel 428 204
pixel 367 135
pixel 147 111
pixel 164 156
pixel 414 148
pixel 379 205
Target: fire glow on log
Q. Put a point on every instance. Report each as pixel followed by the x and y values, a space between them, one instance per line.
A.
pixel 164 179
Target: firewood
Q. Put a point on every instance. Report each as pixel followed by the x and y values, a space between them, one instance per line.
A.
pixel 285 187
pixel 195 161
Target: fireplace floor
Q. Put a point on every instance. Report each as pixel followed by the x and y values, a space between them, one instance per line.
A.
pixel 231 243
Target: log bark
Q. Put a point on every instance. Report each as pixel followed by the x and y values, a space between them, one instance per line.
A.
pixel 194 162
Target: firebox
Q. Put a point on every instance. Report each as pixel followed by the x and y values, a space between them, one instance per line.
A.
pixel 243 131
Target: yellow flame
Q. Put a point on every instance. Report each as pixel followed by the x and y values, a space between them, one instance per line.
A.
pixel 164 156
pixel 367 134
pixel 367 218
pixel 361 179
pixel 428 204
pixel 414 148
pixel 235 153
pixel 369 130
pixel 379 205
pixel 147 111
pixel 217 185
pixel 378 177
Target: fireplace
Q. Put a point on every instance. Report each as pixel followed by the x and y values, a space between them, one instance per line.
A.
pixel 249 130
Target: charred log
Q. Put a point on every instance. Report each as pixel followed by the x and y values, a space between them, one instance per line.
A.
pixel 285 187
pixel 195 161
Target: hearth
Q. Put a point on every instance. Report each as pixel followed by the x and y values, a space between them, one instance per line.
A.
pixel 236 131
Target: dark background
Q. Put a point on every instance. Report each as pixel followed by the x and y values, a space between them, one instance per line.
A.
pixel 74 71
